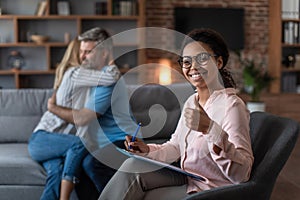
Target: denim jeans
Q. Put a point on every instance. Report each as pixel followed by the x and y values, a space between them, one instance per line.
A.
pixel 60 154
pixel 54 169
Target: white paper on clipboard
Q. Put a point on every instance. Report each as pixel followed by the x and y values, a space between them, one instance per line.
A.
pixel 162 164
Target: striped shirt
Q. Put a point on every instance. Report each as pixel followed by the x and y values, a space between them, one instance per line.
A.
pixel 72 93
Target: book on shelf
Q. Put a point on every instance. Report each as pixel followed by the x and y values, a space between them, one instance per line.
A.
pixel 125 8
pixel 41 8
pixel 290 9
pixel 291 32
pixel 101 8
pixel 289 82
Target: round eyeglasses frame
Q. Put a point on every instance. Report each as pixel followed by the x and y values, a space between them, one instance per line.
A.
pixel 201 58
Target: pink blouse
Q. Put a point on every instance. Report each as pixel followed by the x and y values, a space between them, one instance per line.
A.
pixel 230 132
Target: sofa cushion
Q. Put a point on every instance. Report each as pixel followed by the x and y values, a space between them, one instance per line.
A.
pixel 21 110
pixel 17 167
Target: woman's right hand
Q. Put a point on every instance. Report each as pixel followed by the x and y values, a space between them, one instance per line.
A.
pixel 51 101
pixel 137 146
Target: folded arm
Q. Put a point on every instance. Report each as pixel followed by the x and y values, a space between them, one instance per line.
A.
pixel 83 77
pixel 79 117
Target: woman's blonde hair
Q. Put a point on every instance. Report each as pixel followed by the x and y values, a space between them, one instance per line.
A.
pixel 70 59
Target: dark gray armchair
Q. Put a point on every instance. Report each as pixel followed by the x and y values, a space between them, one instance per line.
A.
pixel 273 139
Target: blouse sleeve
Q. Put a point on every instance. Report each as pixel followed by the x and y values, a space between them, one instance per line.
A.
pixel 168 152
pixel 235 159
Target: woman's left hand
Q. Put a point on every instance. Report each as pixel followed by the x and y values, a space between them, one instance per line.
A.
pixel 197 119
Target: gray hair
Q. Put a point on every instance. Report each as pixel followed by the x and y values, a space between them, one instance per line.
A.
pixel 94 34
pixel 98 35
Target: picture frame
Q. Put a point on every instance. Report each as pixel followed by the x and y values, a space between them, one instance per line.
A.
pixel 63 8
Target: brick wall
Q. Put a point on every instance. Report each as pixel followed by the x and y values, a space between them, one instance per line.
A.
pixel 159 13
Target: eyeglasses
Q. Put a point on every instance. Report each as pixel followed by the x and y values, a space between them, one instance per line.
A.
pixel 201 59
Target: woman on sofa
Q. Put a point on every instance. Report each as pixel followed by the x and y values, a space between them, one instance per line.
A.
pixel 70 59
pixel 212 136
pixel 51 143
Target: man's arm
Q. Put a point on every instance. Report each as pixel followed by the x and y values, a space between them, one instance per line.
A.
pixel 79 117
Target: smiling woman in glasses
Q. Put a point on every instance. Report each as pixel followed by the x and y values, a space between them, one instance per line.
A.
pixel 211 138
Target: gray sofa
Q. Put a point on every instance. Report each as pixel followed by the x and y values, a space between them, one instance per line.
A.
pixel 20 111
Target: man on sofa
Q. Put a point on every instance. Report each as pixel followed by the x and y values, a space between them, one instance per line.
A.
pixel 110 128
pixel 90 48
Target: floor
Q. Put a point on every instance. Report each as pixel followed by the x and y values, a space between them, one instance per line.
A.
pixel 287 186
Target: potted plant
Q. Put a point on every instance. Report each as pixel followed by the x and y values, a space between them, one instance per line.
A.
pixel 256 78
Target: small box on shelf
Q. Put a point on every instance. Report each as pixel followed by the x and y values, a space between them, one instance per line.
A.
pixel 101 8
pixel 63 8
pixel 297 61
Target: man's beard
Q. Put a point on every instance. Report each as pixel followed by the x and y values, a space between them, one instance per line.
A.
pixel 88 64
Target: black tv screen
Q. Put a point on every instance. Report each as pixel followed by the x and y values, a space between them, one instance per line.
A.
pixel 227 21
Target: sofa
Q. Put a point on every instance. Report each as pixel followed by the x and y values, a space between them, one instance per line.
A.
pixel 20 176
pixel 156 107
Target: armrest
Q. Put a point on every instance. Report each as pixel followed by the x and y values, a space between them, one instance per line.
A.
pixel 243 191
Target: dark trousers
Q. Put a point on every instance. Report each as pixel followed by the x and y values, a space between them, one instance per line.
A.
pixel 98 169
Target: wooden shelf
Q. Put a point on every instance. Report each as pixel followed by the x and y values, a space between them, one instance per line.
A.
pixel 7 16
pixel 32 44
pixel 54 44
pixel 26 72
pixel 69 17
pixel 107 17
pixel 277 51
pixel 40 58
pixel 291 45
pixel 284 69
pixel 35 72
pixel 290 20
pixel 7 72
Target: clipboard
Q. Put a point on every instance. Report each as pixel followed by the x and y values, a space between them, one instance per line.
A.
pixel 162 164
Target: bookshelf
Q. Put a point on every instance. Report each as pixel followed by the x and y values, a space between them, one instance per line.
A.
pixel 284 45
pixel 20 19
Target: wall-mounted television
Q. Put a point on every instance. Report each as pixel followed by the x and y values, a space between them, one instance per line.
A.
pixel 227 21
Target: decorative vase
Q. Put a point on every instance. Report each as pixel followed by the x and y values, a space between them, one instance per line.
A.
pixel 15 60
pixel 256 106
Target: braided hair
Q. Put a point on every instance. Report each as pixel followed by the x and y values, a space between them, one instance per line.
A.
pixel 216 42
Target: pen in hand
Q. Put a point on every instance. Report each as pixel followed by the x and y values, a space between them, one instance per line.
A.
pixel 135 134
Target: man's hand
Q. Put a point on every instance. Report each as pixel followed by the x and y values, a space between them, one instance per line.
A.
pixel 197 119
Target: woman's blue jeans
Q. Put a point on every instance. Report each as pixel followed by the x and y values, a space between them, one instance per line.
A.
pixel 61 155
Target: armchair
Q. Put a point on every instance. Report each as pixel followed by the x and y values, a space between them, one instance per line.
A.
pixel 273 139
